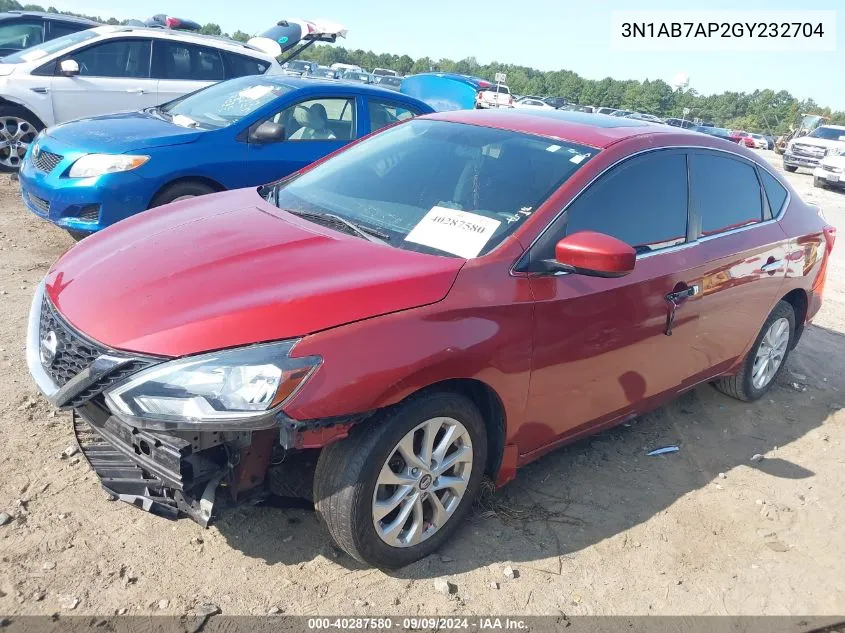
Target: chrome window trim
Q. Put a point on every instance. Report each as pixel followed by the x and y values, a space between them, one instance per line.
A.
pixel 671 249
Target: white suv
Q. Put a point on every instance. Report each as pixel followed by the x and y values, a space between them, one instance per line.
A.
pixel 109 69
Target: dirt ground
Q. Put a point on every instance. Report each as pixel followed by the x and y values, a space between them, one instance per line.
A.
pixel 595 528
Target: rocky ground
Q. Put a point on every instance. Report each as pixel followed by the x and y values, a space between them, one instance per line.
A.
pixel 596 528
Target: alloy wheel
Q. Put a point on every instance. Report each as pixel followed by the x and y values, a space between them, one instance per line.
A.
pixel 16 135
pixel 770 353
pixel 422 482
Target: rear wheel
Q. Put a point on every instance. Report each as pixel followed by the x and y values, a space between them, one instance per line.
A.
pixel 181 191
pixel 766 358
pixel 399 486
pixel 18 129
pixel 789 168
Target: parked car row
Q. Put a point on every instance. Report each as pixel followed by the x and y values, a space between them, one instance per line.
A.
pixel 383 77
pixel 248 236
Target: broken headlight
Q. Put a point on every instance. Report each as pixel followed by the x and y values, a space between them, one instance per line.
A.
pixel 231 389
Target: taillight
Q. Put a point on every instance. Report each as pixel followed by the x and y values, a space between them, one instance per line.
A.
pixel 173 23
pixel 510 99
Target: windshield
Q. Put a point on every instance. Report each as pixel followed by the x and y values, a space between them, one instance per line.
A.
pixel 390 81
pixel 356 76
pixel 829 133
pixel 299 66
pixel 224 103
pixel 48 48
pixel 437 187
pixel 323 72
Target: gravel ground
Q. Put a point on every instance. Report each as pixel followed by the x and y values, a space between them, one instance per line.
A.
pixel 595 528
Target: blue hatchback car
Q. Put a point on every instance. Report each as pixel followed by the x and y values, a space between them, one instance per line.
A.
pixel 87 174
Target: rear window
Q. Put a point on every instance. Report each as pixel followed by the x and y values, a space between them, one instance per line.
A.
pixel 725 192
pixel 775 192
pixel 242 66
pixel 177 60
pixel 501 89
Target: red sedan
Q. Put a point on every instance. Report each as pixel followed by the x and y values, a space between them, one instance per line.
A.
pixel 450 298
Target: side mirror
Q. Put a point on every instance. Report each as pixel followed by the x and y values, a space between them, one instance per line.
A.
pixel 594 254
pixel 268 132
pixel 69 68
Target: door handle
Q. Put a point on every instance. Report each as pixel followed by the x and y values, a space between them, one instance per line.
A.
pixel 674 299
pixel 772 267
pixel 137 91
pixel 40 90
pixel 679 295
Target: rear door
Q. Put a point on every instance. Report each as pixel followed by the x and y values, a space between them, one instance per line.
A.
pixel 740 249
pixel 383 112
pixel 314 127
pixel 114 75
pixel 182 68
pixel 603 348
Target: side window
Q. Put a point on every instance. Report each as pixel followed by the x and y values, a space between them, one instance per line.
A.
pixel 774 192
pixel 642 202
pixel 114 58
pixel 21 35
pixel 383 113
pixel 725 193
pixel 241 65
pixel 177 60
pixel 319 120
pixel 58 29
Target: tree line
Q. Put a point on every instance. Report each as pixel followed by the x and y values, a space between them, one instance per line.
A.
pixel 765 111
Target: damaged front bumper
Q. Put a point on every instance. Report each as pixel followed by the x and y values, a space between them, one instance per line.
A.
pixel 195 473
pixel 162 473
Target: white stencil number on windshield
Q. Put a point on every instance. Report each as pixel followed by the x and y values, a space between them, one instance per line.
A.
pixel 457 232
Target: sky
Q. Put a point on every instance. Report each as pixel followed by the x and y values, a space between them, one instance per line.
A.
pixel 545 34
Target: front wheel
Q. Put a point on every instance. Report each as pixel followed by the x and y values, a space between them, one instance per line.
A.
pixel 818 182
pixel 766 358
pixel 18 129
pixel 789 168
pixel 398 487
pixel 181 191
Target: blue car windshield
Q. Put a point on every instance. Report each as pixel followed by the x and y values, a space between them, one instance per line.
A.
pixel 225 103
pixel 34 53
pixel 435 187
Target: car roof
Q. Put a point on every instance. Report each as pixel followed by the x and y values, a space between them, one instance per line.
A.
pixel 595 130
pixel 14 13
pixel 330 87
pixel 834 127
pixel 216 41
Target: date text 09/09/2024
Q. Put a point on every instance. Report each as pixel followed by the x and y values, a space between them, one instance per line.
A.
pixel 722 29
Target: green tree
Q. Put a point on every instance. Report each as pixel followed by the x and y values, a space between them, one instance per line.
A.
pixel 211 29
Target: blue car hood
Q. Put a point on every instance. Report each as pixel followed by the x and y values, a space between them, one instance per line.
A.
pixel 121 133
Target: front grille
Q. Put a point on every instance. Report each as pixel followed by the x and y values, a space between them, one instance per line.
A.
pixel 808 150
pixel 39 203
pixel 73 352
pixel 46 161
pixel 832 169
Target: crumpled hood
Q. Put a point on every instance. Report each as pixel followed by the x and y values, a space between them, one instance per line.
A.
pixel 229 269
pixel 121 133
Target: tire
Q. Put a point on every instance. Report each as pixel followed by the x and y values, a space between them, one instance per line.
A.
pixel 817 182
pixel 180 191
pixel 789 168
pixel 345 483
pixel 741 386
pixel 21 125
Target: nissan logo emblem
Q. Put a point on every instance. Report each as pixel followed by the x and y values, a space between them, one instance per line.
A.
pixel 47 348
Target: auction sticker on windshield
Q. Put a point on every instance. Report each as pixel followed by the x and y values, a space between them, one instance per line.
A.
pixel 458 232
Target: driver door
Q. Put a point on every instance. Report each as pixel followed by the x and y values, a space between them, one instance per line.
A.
pixel 603 349
pixel 271 161
pixel 113 76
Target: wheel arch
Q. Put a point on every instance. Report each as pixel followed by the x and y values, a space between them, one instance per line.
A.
pixel 8 102
pixel 205 180
pixel 492 411
pixel 799 301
